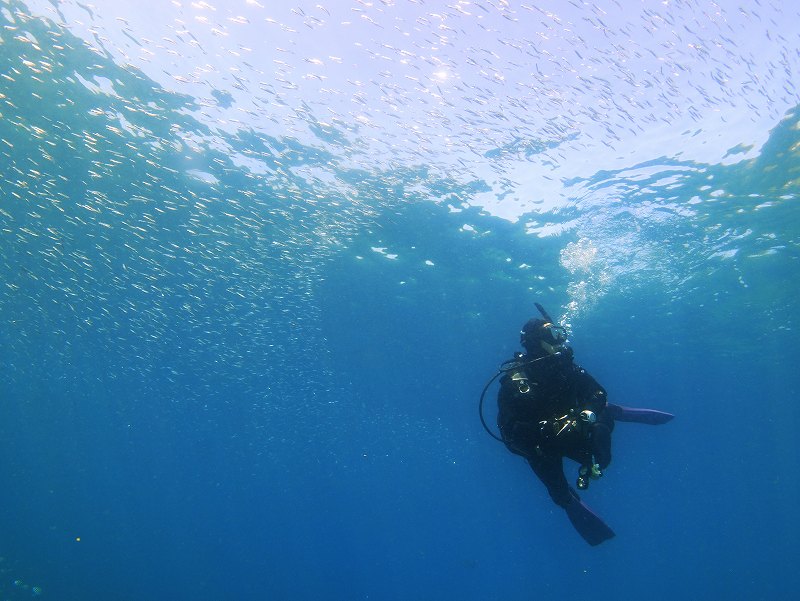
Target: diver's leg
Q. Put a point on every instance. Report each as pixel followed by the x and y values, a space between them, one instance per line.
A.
pixel 550 470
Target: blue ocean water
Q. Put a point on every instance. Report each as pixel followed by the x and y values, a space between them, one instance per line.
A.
pixel 241 364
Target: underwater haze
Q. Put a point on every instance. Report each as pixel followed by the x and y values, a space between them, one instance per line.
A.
pixel 259 259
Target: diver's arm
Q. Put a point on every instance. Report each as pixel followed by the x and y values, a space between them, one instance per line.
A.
pixel 591 396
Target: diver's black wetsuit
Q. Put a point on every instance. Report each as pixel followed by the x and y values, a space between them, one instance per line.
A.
pixel 550 408
pixel 540 402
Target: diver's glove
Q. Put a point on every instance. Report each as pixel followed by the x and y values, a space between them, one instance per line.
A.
pixel 583 478
pixel 587 472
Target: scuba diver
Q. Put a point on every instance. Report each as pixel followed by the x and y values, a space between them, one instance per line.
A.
pixel 550 408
